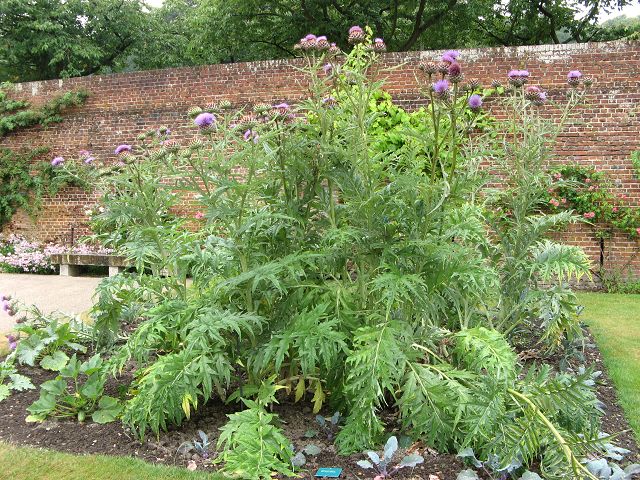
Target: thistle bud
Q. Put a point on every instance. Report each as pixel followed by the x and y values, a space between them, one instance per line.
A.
pixel 322 44
pixel 224 105
pixel 379 45
pixel 443 67
pixel 194 111
pixel 356 35
pixel 334 49
pixel 429 68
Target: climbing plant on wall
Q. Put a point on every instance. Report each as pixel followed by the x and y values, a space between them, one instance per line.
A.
pixel 23 181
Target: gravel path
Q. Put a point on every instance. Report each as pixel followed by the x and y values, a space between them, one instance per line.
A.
pixel 48 292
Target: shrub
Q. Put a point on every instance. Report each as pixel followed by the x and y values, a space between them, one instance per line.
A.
pixel 350 269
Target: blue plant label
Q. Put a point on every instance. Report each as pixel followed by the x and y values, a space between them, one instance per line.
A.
pixel 328 472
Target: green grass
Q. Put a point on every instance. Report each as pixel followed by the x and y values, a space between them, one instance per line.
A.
pixel 614 320
pixel 25 463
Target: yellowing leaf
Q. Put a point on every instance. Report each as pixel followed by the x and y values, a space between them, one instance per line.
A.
pixel 318 397
pixel 186 405
pixel 300 389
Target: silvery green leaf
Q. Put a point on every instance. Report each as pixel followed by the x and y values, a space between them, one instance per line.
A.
pixel 599 467
pixel 617 473
pixel 312 449
pixel 321 420
pixel 203 436
pixel 467 475
pixel 5 391
pixel 335 418
pixel 467 453
pixel 20 383
pixel 298 460
pixel 632 469
pixel 390 448
pixel 311 433
pixel 411 460
pixel 374 457
pixel 530 476
pixel 616 453
pixel 364 464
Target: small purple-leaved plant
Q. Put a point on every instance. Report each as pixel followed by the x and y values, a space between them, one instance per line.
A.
pixel 382 465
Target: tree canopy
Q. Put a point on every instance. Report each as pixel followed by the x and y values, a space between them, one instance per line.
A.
pixel 43 39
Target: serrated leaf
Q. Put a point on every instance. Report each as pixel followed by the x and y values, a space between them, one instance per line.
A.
pixel 364 464
pixel 91 366
pixel 20 383
pixel 300 388
pixel 108 410
pixel 29 349
pixel 54 387
pixel 93 387
pixel 54 362
pixel 41 407
pixel 5 391
pixel 318 397
pixel 311 433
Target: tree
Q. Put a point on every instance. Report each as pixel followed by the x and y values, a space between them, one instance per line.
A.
pixel 43 39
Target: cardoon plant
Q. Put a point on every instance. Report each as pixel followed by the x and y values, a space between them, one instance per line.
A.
pixel 340 271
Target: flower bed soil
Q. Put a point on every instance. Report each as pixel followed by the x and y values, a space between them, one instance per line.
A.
pixel 297 419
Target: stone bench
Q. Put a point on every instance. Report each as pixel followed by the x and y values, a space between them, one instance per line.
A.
pixel 70 263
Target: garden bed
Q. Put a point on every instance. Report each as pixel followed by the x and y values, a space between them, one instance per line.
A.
pixel 297 419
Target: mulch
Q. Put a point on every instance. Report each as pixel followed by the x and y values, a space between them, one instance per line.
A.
pixel 297 419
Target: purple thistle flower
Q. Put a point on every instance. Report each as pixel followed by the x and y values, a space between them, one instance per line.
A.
pixel 204 120
pixel 441 87
pixel 542 97
pixel 89 160
pixel 122 149
pixel 355 29
pixel 13 341
pixel 454 69
pixel 475 101
pixel 518 78
pixel 450 56
pixel 573 77
pixel 282 107
pixel 5 306
pixel 57 161
pixel 311 37
pixel 84 153
pixel 327 68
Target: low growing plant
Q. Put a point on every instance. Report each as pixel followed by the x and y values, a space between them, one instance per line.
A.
pixel 252 446
pixel 383 465
pixel 77 392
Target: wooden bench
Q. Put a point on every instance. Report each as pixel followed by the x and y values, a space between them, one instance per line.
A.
pixel 70 263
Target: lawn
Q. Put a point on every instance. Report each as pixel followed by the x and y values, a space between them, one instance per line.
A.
pixel 20 463
pixel 614 320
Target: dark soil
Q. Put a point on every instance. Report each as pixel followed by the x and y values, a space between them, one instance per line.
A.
pixel 297 419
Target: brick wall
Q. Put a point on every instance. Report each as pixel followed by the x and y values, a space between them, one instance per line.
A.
pixel 123 105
